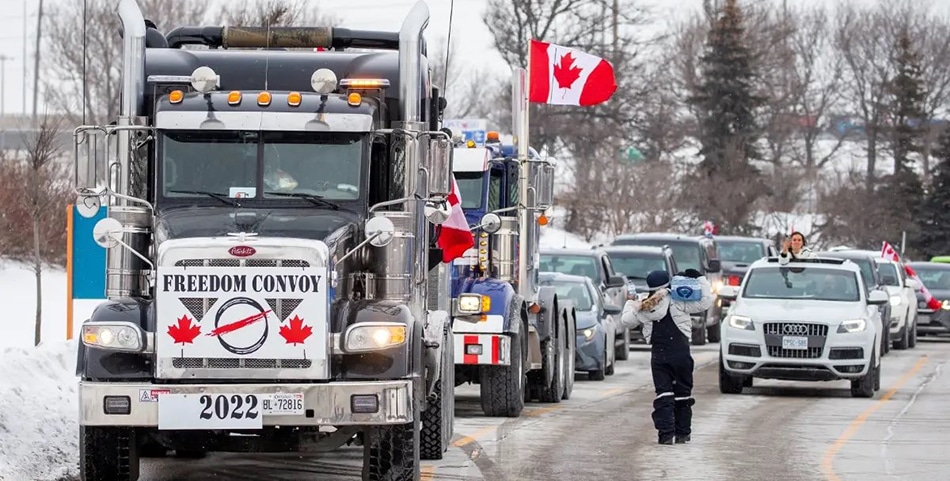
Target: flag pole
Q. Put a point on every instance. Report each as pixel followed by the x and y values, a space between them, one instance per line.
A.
pixel 521 82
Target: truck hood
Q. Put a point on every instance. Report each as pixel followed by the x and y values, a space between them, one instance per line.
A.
pixel 218 222
pixel 769 310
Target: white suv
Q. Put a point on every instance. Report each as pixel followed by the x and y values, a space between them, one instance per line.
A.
pixel 809 320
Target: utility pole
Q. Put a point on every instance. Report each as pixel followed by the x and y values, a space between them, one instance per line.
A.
pixel 616 9
pixel 23 93
pixel 36 57
pixel 3 89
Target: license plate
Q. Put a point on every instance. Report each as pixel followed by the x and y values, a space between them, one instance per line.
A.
pixel 210 411
pixel 794 342
pixel 282 404
pixel 923 319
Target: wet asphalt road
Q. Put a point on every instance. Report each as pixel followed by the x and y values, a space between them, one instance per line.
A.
pixel 775 430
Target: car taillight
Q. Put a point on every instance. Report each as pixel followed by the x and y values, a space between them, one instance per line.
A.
pixel 734 280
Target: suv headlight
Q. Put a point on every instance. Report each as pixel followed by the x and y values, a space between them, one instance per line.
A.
pixel 473 304
pixel 587 333
pixel 115 336
pixel 895 301
pixel 741 322
pixel 854 325
pixel 374 336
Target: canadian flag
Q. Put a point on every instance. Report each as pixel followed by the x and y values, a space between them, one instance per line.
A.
pixel 565 76
pixel 888 252
pixel 455 237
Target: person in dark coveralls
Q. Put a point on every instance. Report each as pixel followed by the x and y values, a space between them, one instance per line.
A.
pixel 667 327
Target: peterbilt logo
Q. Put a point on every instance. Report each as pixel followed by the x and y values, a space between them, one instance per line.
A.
pixel 242 251
pixel 799 329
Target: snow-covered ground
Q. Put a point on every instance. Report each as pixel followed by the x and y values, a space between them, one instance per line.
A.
pixel 38 401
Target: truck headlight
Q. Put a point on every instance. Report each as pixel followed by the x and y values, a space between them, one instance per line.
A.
pixel 741 322
pixel 854 325
pixel 587 333
pixel 116 336
pixel 473 303
pixel 895 301
pixel 374 336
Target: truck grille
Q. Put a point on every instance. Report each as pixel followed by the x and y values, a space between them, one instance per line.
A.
pixel 232 363
pixel 242 263
pixel 795 329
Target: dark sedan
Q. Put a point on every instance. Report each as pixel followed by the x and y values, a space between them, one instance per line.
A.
pixel 596 323
pixel 936 278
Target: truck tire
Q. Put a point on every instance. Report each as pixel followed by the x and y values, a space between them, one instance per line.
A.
pixel 438 419
pixel 108 454
pixel 864 387
pixel 904 341
pixel 714 333
pixel 623 352
pixel 699 336
pixel 554 363
pixel 504 388
pixel 392 452
pixel 570 356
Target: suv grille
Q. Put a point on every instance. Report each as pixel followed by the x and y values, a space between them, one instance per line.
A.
pixel 795 329
pixel 810 353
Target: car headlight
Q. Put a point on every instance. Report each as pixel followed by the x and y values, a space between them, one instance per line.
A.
pixel 587 333
pixel 116 336
pixel 741 322
pixel 945 305
pixel 895 301
pixel 473 303
pixel 373 336
pixel 854 325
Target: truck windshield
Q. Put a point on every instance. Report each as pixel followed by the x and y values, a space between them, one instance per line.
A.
pixel 242 164
pixel 813 283
pixel 471 189
pixel 570 264
pixel 686 254
pixel 637 266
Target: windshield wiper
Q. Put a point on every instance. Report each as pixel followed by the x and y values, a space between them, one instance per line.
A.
pixel 314 199
pixel 214 195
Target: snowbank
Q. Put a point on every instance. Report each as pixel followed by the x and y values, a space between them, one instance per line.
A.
pixel 39 433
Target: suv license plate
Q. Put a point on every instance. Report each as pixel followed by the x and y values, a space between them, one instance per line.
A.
pixel 794 342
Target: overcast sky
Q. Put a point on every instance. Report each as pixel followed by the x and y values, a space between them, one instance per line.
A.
pixel 469 32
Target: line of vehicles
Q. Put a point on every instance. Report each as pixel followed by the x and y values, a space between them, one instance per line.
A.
pixel 273 199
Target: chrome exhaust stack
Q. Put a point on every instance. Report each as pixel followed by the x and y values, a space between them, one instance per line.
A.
pixel 400 269
pixel 127 273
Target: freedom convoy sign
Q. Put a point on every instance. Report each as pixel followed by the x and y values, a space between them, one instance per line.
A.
pixel 273 313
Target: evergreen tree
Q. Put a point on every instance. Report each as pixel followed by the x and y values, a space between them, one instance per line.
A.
pixel 726 104
pixel 902 191
pixel 934 217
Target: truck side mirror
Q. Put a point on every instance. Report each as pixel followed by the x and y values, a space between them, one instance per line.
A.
pixel 546 186
pixel 91 146
pixel 439 166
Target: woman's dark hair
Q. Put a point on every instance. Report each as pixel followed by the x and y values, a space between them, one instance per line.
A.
pixel 804 241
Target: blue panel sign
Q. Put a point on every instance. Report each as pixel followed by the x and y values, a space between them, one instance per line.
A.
pixel 89 259
pixel 468 129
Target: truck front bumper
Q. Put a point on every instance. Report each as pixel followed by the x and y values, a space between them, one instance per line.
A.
pixel 326 404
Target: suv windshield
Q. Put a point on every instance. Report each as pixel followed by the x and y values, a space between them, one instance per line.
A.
pixel 816 283
pixel 686 254
pixel 637 266
pixel 743 252
pixel 888 273
pixel 577 265
pixel 574 291
pixel 937 279
pixel 243 164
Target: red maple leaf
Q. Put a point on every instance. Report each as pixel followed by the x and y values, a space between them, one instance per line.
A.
pixel 296 333
pixel 565 72
pixel 184 331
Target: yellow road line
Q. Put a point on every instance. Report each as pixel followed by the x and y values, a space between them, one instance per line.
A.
pixel 540 411
pixel 427 472
pixel 827 461
pixel 612 392
pixel 474 436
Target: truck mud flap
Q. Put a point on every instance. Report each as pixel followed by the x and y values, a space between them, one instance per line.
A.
pixel 482 349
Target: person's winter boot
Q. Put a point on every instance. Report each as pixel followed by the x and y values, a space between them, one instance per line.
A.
pixel 682 439
pixel 666 438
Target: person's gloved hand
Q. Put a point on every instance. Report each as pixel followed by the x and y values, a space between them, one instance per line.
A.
pixel 692 273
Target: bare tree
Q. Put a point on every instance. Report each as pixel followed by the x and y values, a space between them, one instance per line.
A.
pixel 44 198
pixel 86 73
